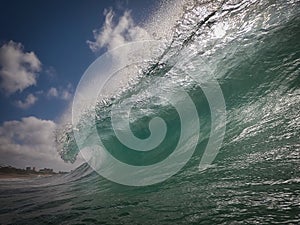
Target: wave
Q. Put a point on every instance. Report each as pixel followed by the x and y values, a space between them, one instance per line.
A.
pixel 243 43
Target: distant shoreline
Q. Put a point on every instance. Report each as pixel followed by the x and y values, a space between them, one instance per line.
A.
pixel 9 172
pixel 23 176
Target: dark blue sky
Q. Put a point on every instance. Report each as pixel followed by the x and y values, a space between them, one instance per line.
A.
pixel 57 31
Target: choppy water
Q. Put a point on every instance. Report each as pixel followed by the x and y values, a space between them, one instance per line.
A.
pixel 253 49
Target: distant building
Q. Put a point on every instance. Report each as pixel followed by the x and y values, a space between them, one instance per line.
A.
pixel 33 169
pixel 62 172
pixel 46 170
pixel 28 168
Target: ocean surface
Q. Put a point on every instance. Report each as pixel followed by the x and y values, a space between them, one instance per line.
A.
pixel 252 48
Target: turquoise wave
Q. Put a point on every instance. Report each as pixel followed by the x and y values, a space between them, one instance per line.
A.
pixel 243 44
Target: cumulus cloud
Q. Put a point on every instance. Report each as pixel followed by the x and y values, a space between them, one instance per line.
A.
pixel 30 142
pixel 29 101
pixel 61 93
pixel 113 34
pixel 18 69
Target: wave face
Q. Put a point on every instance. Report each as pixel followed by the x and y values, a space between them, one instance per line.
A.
pixel 253 49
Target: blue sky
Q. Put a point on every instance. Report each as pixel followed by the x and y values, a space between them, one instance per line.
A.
pixel 46 42
pixel 56 31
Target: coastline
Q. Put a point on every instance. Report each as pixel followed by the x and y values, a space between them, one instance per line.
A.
pixel 9 172
pixel 21 176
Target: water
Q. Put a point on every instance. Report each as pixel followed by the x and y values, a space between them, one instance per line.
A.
pixel 253 49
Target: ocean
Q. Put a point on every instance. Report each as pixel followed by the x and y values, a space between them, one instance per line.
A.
pixel 252 49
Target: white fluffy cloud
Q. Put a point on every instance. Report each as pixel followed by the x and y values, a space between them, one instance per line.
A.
pixel 18 69
pixel 61 93
pixel 113 34
pixel 29 101
pixel 30 142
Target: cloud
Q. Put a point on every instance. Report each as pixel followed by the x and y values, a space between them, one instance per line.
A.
pixel 52 92
pixel 112 34
pixel 29 101
pixel 30 142
pixel 66 95
pixel 61 93
pixel 18 68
